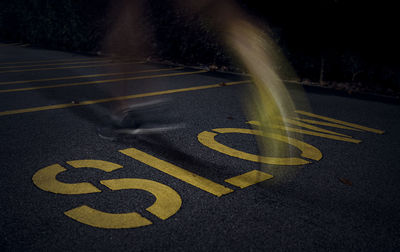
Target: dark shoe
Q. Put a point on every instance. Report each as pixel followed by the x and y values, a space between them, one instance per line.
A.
pixel 112 134
pixel 138 119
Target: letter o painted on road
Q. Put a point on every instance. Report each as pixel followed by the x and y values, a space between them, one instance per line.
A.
pixel 307 151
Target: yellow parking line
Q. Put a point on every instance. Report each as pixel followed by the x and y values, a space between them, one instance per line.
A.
pixel 87 76
pixel 98 81
pixel 56 64
pixel 69 67
pixel 43 61
pixel 118 98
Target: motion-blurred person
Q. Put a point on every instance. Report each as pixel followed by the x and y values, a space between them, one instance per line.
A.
pixel 127 40
pixel 253 49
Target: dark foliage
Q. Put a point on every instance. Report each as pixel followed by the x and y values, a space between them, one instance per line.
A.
pixel 64 24
pixel 329 41
pixel 184 37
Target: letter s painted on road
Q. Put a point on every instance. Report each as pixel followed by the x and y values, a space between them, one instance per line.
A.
pixel 167 203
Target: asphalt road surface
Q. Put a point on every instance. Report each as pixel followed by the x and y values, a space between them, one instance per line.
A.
pixel 197 188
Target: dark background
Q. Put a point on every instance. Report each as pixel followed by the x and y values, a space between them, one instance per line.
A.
pixel 354 41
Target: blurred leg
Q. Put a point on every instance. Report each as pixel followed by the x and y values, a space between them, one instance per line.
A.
pixel 255 50
pixel 127 39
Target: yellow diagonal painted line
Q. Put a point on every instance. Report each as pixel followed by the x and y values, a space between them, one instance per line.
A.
pixel 119 98
pixel 177 172
pixel 99 81
pixel 50 60
pixel 87 76
pixel 249 178
pixel 68 67
pixel 57 64
pixel 353 125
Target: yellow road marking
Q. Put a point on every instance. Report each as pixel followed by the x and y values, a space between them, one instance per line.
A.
pixel 99 81
pixel 177 172
pixel 50 60
pixel 357 126
pixel 68 67
pixel 88 76
pixel 119 98
pixel 96 218
pixel 315 128
pixel 307 151
pixel 46 180
pixel 312 133
pixel 334 125
pixel 249 178
pixel 56 64
pixel 96 164
pixel 167 201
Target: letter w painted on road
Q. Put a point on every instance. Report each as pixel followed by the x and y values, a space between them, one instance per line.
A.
pixel 308 129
